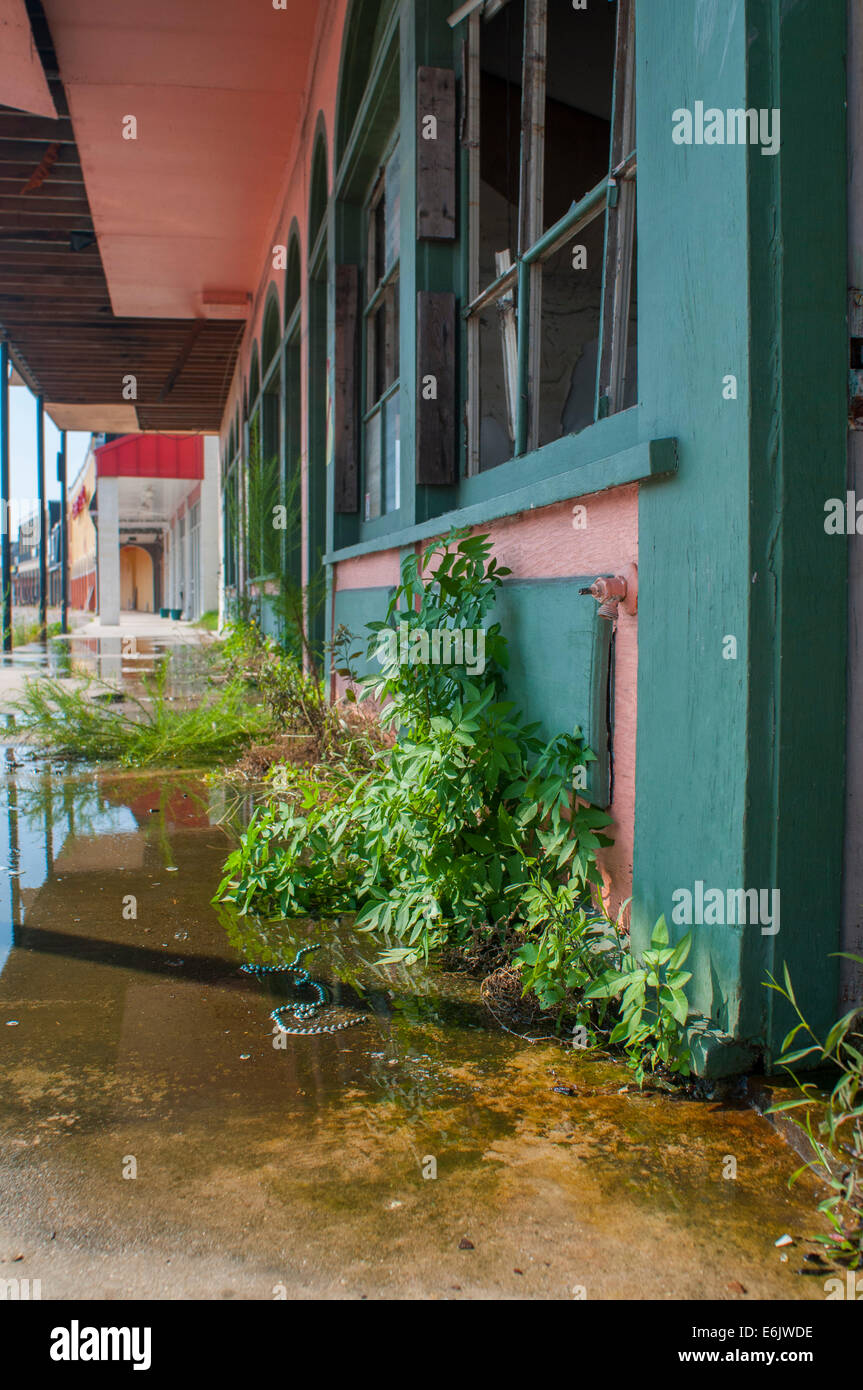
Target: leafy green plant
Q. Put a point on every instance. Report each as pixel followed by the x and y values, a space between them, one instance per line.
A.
pixel 836 1136
pixel 461 819
pixel 652 1004
pixel 568 945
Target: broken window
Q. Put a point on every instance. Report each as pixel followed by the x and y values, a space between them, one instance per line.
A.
pixel 381 422
pixel 292 558
pixel 550 132
pixel 271 490
pixel 493 124
pixel 231 521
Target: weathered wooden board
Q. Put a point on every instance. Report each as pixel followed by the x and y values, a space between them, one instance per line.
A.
pixel 345 444
pixel 436 154
pixel 436 385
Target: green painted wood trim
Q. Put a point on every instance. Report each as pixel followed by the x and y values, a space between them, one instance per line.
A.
pixel 355 608
pixel 367 110
pixel 565 225
pixel 717 1054
pixel 739 777
pixel 654 459
pixel 564 682
pixel 793 833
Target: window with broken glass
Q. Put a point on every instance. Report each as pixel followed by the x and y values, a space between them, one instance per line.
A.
pixel 381 338
pixel 231 510
pixel 549 127
pixel 263 491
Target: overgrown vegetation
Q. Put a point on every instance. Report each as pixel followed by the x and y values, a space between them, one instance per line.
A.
pixel 834 1127
pixel 30 631
pixel 330 741
pixel 470 827
pixel 96 723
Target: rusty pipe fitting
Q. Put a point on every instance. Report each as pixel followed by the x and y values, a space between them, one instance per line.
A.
pixel 611 592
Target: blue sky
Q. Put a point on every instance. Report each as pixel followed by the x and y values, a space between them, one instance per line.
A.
pixel 22 448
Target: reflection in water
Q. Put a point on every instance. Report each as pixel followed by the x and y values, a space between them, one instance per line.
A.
pixel 117 869
pixel 126 662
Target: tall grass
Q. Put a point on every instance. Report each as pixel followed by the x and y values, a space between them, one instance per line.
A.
pixel 77 723
pixel 25 632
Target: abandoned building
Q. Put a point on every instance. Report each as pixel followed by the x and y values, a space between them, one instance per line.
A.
pixel 418 267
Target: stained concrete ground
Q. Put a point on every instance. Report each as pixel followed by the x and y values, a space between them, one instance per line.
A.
pixel 422 1154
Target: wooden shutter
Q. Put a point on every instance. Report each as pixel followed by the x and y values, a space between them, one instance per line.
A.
pixel 436 171
pixel 436 412
pixel 345 444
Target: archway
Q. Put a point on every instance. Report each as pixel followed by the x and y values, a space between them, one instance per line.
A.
pixel 136 580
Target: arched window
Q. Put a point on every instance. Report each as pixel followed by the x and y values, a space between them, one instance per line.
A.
pixel 292 561
pixel 362 37
pixel 369 227
pixel 231 511
pixel 254 387
pixel 318 189
pixel 292 275
pixel 317 311
pixel 271 332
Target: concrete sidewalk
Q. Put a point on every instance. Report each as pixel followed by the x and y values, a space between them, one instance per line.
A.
pixel 148 626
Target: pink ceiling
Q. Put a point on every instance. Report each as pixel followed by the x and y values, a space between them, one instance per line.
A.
pixel 216 88
pixel 22 81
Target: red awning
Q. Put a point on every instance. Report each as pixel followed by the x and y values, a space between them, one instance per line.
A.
pixel 151 456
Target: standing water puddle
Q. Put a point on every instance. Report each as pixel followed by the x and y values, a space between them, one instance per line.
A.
pixel 424 1153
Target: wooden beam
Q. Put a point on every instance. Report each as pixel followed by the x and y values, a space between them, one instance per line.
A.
pixel 182 357
pixel 34 206
pixel 42 129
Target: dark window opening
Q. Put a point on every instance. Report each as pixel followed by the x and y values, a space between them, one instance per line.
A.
pixel 381 420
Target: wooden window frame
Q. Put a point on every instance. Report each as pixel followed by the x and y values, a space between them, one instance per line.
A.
pixel 613 198
pixel 231 557
pixel 375 293
pixel 275 371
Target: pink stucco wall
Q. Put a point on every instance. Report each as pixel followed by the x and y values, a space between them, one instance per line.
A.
pixel 544 544
pixel 375 571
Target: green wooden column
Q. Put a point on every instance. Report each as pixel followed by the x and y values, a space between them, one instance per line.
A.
pixel 742 274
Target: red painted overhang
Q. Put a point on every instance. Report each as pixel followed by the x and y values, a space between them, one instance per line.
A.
pixel 151 456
